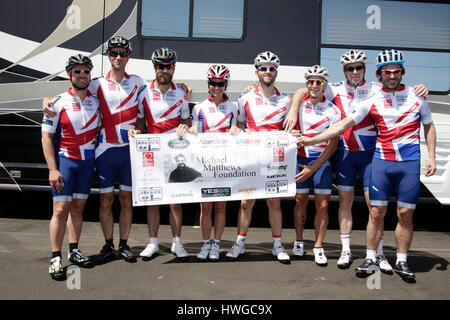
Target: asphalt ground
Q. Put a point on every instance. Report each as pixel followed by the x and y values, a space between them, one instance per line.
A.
pixel 181 286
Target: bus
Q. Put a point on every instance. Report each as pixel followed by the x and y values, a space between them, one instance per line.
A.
pixel 37 37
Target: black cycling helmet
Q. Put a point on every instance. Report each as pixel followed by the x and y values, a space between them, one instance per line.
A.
pixel 118 42
pixel 164 55
pixel 77 60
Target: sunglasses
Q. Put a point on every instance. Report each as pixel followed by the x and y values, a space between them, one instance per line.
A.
pixel 217 84
pixel 357 68
pixel 78 71
pixel 161 66
pixel 391 72
pixel 314 82
pixel 114 54
pixel 264 69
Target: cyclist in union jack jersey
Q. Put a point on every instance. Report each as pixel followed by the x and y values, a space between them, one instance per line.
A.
pixel 397 113
pixel 355 149
pixel 215 114
pixel 316 114
pixel 163 108
pixel 76 119
pixel 263 108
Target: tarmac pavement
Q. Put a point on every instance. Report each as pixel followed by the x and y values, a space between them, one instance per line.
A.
pixel 25 256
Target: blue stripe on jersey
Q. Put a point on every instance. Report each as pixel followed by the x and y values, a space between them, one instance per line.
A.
pixel 409 152
pixel 124 135
pixel 89 154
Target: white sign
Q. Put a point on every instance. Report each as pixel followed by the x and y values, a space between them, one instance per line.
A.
pixel 212 167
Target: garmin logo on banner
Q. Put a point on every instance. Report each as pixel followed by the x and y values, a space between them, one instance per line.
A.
pixel 178 143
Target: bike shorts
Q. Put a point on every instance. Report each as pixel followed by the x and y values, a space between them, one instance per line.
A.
pixel 114 161
pixel 404 176
pixel 77 176
pixel 321 180
pixel 349 165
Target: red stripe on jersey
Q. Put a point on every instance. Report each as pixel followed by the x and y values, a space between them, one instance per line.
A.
pixel 124 102
pixel 273 114
pixel 403 116
pixel 176 105
pixel 72 141
pixel 224 119
pixel 109 120
pixel 163 126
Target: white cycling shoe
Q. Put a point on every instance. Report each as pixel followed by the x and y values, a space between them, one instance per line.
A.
pixel 281 254
pixel 149 251
pixel 179 251
pixel 319 257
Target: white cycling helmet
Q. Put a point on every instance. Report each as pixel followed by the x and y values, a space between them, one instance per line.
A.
pixel 353 56
pixel 317 71
pixel 164 55
pixel 267 57
pixel 391 56
pixel 218 72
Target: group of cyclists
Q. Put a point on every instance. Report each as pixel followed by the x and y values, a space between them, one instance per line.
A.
pixel 373 126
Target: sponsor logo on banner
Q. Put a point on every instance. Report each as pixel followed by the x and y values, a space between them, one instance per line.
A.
pixel 248 141
pixel 278 154
pixel 280 186
pixel 150 194
pixel 148 159
pixel 213 142
pixel 279 140
pixel 178 143
pixel 185 194
pixel 216 192
pixel 148 144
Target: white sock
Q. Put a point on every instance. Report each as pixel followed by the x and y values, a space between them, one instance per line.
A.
pixel 380 248
pixel 176 240
pixel 345 240
pixel 216 242
pixel 154 241
pixel 401 256
pixel 206 242
pixel 277 241
pixel 371 254
pixel 241 238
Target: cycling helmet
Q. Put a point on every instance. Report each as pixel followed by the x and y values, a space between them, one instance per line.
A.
pixel 353 56
pixel 317 71
pixel 77 60
pixel 267 57
pixel 218 72
pixel 118 42
pixel 389 57
pixel 164 55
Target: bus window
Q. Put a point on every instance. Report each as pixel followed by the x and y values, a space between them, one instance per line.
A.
pixel 195 19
